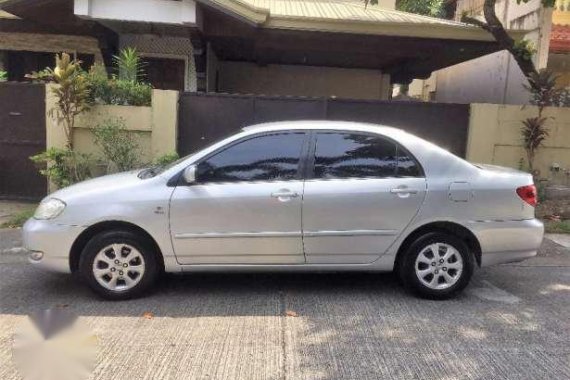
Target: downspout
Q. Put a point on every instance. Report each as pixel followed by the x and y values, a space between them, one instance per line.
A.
pixel 509 57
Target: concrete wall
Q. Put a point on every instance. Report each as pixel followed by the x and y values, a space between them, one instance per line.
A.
pixel 155 126
pixel 249 78
pixel 496 78
pixel 494 136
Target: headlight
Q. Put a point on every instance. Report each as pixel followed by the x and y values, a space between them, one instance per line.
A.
pixel 49 209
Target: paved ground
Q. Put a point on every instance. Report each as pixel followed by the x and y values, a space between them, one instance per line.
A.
pixel 511 323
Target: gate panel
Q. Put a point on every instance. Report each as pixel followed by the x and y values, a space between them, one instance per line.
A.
pixel 443 124
pixel 204 119
pixel 284 109
pixel 22 134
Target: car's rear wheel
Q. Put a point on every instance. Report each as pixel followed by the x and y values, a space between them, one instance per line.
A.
pixel 119 264
pixel 437 266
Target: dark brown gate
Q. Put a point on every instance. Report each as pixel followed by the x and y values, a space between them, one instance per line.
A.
pixel 205 118
pixel 22 134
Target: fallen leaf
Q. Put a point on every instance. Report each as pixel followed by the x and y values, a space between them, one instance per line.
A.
pixel 148 315
pixel 291 313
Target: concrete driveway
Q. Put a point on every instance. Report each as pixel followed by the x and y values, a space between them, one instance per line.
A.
pixel 512 323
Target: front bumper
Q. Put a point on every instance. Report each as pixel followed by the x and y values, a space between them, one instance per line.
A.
pixel 508 241
pixel 53 240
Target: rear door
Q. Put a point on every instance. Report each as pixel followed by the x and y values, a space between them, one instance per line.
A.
pixel 362 191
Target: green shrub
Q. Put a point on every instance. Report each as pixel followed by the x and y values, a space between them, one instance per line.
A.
pixel 71 93
pixel 118 91
pixel 129 65
pixel 166 159
pixel 118 145
pixel 130 93
pixel 3 76
pixel 124 90
pixel 557 227
pixel 98 84
pixel 63 167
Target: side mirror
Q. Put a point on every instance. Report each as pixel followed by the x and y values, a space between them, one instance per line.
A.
pixel 190 174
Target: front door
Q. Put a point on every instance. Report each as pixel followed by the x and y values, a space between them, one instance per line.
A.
pixel 245 207
pixel 364 191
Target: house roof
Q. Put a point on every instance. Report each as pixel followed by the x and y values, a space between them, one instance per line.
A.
pixel 349 16
pixel 338 16
pixel 560 39
pixel 6 15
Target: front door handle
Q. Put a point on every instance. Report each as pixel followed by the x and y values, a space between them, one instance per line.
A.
pixel 403 190
pixel 284 194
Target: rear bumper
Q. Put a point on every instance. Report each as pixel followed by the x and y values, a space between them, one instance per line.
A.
pixel 508 241
pixel 50 244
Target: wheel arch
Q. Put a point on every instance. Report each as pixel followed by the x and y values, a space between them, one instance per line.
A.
pixel 110 225
pixel 452 228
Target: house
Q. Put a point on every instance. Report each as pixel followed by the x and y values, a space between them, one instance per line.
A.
pixel 28 45
pixel 331 48
pixel 496 78
pixel 559 49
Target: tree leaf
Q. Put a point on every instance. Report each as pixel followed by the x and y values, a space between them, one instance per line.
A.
pixel 148 315
pixel 291 313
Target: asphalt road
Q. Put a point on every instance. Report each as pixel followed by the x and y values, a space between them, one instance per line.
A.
pixel 512 323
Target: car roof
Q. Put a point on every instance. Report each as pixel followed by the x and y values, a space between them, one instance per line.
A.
pixel 324 124
pixel 433 158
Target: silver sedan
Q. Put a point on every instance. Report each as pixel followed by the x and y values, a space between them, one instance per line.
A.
pixel 292 196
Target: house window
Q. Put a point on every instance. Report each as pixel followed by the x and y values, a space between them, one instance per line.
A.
pixel 20 63
pixel 165 73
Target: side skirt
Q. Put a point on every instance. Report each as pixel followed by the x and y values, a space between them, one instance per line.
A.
pixel 383 264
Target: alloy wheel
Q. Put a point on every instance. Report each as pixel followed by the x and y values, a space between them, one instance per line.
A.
pixel 439 266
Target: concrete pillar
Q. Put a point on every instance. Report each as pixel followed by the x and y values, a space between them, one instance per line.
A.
pixel 386 87
pixel 164 122
pixel 483 127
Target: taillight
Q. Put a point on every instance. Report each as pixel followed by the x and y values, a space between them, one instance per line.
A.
pixel 528 194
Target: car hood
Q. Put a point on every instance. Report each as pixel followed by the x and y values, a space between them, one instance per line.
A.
pixel 99 185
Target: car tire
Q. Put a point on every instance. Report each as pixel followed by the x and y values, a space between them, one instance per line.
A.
pixel 437 275
pixel 119 265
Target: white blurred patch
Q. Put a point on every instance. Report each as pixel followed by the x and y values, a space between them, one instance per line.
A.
pixel 489 292
pixel 54 345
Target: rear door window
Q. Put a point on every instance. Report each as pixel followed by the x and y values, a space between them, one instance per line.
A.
pixel 354 155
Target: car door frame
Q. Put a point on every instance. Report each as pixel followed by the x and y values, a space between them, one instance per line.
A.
pixel 309 170
pixel 309 174
pixel 178 179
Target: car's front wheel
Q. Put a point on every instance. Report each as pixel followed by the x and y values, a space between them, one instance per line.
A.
pixel 437 266
pixel 119 264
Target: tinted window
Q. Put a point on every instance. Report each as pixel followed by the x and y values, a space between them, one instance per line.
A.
pixel 407 165
pixel 265 158
pixel 347 155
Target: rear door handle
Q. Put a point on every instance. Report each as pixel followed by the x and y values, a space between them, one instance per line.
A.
pixel 284 194
pixel 403 190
